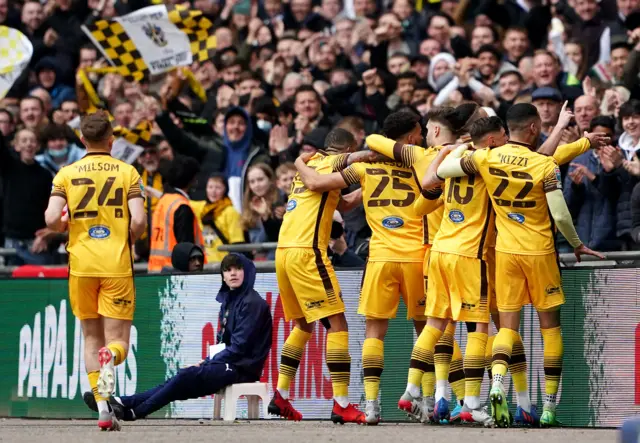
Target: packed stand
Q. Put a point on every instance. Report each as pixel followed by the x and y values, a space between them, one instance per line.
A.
pixel 286 73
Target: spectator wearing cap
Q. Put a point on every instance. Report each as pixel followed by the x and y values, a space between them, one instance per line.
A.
pixel 26 189
pixel 548 101
pixel 491 66
pixel 46 72
pixel 59 148
pixel 547 72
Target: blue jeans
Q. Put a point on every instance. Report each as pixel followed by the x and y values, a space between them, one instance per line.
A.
pixel 25 256
pixel 192 382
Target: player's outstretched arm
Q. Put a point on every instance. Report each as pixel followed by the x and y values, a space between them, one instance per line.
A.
pixel 407 155
pixel 138 217
pixel 318 182
pixel 451 165
pixel 366 157
pixel 54 217
pixel 561 215
pixel 565 153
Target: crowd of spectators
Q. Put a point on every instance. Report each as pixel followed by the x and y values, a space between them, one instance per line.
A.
pixel 286 72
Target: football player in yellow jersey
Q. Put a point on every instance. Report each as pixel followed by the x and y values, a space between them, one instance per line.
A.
pixel 309 289
pixel 442 127
pixel 396 250
pixel 105 216
pixel 525 188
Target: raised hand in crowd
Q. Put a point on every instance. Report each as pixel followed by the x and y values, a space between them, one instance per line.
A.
pixel 632 166
pixel 610 157
pixel 226 97
pixel 279 139
pixel 579 172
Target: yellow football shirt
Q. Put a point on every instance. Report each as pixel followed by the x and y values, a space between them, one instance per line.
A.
pixel 517 179
pixel 97 189
pixel 388 192
pixel 418 158
pixel 309 215
pixel 227 223
pixel 468 224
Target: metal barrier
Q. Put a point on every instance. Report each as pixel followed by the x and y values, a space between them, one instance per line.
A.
pixel 613 258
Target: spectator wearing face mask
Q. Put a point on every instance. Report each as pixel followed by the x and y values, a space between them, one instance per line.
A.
pixel 59 150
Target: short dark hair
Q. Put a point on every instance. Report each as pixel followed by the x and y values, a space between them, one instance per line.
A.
pixel 231 261
pixel 489 48
pixel 400 123
pixel 307 88
pixel 484 126
pixel 440 14
pixel 424 85
pixel 520 115
pixel 465 116
pixel 632 107
pixel 339 139
pixel 96 127
pixel 407 75
pixel 179 172
pixel 446 116
pixel 604 121
pixel 54 131
pixel 6 111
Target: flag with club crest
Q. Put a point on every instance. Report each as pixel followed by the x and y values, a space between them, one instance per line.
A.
pixel 15 53
pixel 154 40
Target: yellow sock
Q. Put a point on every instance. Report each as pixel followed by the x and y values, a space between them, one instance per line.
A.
pixel 372 365
pixel 553 351
pixel 339 363
pixel 518 366
pixel 502 346
pixel 443 353
pixel 474 367
pixel 422 356
pixel 119 353
pixel 93 382
pixel 428 382
pixel 456 373
pixel 290 359
pixel 488 356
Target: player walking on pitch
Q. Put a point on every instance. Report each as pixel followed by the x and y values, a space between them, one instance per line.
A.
pixel 525 189
pixel 105 216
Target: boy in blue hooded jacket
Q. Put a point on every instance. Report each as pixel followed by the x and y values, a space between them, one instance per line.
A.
pixel 245 329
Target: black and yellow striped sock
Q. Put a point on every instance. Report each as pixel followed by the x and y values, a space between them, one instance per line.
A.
pixel 290 359
pixel 474 367
pixel 422 359
pixel 372 366
pixel 442 359
pixel 553 352
pixel 339 364
pixel 488 356
pixel 502 347
pixel 518 366
pixel 456 373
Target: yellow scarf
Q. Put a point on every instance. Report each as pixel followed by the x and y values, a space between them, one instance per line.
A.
pixel 211 211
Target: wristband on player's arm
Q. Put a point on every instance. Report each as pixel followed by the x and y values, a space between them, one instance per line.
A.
pixel 562 217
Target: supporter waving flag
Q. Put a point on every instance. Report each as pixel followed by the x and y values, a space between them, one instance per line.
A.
pixel 153 40
pixel 15 53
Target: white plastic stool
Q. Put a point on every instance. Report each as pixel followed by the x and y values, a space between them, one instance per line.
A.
pixel 252 391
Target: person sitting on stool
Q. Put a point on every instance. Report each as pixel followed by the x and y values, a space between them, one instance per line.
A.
pixel 245 330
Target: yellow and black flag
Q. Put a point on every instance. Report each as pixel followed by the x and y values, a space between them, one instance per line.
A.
pixel 154 40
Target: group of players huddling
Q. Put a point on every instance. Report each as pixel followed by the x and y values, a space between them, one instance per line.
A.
pixel 462 229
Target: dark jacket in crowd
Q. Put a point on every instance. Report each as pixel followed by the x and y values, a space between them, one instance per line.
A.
pixel 245 326
pixel 626 183
pixel 593 205
pixel 26 195
pixel 635 213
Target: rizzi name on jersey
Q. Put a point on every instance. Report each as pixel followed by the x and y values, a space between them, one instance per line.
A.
pixel 513 160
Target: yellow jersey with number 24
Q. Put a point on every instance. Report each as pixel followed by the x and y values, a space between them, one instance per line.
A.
pixel 97 189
